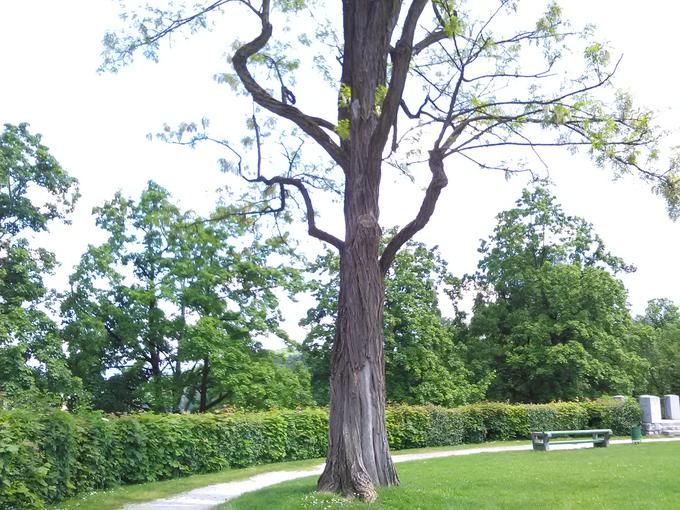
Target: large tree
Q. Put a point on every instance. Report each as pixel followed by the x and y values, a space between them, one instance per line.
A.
pixel 170 306
pixel 550 316
pixel 34 191
pixel 658 342
pixel 417 82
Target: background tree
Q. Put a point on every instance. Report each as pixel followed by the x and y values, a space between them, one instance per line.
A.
pixel 550 317
pixel 424 354
pixel 34 190
pixel 169 306
pixel 115 313
pixel 480 76
pixel 658 342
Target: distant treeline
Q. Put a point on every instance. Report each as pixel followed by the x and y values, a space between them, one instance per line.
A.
pixel 168 311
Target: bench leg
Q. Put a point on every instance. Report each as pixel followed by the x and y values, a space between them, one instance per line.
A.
pixel 602 443
pixel 538 442
pixel 536 445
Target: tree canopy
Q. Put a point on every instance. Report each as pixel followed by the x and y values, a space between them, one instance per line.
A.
pixel 34 190
pixel 424 352
pixel 550 317
pixel 658 342
pixel 172 306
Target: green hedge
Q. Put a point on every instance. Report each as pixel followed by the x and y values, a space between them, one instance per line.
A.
pixel 51 455
pixel 414 427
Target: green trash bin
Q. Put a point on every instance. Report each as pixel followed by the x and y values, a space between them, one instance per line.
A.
pixel 636 434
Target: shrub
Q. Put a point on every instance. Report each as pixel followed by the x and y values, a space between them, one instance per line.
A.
pixel 474 428
pixel 96 464
pixel 503 421
pixel 614 414
pixel 306 433
pixel 447 427
pixel 557 416
pixel 50 455
pixel 23 470
pixel 407 426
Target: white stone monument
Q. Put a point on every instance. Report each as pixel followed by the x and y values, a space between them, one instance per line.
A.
pixel 671 406
pixel 651 408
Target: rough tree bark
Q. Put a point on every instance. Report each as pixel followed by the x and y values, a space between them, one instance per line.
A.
pixel 358 457
pixel 205 372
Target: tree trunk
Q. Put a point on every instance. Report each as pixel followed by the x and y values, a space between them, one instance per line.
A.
pixel 358 454
pixel 203 391
pixel 358 457
pixel 177 375
pixel 153 342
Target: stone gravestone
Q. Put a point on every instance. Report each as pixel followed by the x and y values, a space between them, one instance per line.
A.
pixel 651 408
pixel 671 405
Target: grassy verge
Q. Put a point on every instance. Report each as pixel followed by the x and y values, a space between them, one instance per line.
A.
pixel 114 499
pixel 467 446
pixel 620 477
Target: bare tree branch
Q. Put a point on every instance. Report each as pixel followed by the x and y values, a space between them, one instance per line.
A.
pixel 312 229
pixel 429 40
pixel 279 181
pixel 505 169
pixel 151 38
pixel 401 60
pixel 310 125
pixel 282 181
pixel 437 183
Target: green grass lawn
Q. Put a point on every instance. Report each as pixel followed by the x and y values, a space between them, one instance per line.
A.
pixel 118 497
pixel 618 477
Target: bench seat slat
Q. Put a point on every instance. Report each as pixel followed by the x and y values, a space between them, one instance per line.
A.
pixel 577 441
pixel 555 433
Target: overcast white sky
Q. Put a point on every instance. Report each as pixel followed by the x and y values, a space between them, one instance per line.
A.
pixel 96 125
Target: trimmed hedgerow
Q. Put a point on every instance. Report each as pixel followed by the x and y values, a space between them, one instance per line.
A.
pixel 447 427
pixel 613 414
pixel 306 433
pixel 407 426
pixel 49 455
pixel 560 416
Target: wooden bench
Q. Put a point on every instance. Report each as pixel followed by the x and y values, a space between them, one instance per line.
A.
pixel 599 438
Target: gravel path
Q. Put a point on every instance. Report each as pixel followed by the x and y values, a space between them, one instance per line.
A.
pixel 211 496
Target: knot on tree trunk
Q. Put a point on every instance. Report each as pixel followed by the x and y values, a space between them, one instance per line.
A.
pixel 363 487
pixel 368 221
